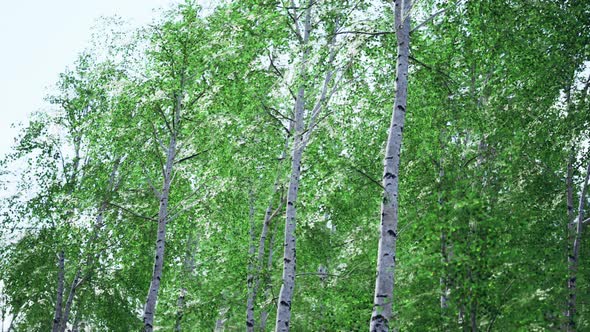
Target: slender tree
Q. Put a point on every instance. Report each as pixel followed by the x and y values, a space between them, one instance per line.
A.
pixel 383 300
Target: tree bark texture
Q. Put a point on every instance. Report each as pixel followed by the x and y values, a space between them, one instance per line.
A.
pixel 268 216
pixel 180 310
pixel 289 256
pixel 60 292
pixel 573 260
pixel 152 297
pixel 251 268
pixel 384 284
pixel 70 300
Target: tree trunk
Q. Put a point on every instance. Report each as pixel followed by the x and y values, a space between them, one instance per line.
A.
pixel 445 279
pixel 573 260
pixel 289 256
pixel 164 195
pixel 180 310
pixel 220 322
pixel 60 293
pixel 571 229
pixel 250 281
pixel 152 298
pixel 268 283
pixel 473 315
pixel 570 189
pixel 69 301
pixel 268 216
pixel 14 318
pixel 189 267
pixel 384 284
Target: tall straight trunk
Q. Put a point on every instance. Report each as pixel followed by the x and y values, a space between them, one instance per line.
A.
pixel 384 284
pixel 70 300
pixel 152 297
pixel 268 216
pixel 180 310
pixel 268 283
pixel 570 189
pixel 60 293
pixel 289 255
pixel 251 267
pixel 573 260
pixel 473 314
pixel 571 229
pixel 461 315
pixel 220 322
pixel 189 267
pixel 445 279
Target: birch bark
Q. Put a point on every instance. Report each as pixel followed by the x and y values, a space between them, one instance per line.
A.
pixel 180 310
pixel 60 293
pixel 152 297
pixel 573 260
pixel 268 283
pixel 268 216
pixel 251 267
pixel 384 284
pixel 289 255
pixel 301 139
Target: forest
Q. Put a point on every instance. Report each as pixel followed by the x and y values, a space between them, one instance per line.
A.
pixel 309 165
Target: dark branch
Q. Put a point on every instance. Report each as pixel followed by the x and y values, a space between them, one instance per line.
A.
pixel 368 177
pixel 192 156
pixel 428 20
pixel 131 212
pixel 433 69
pixel 369 33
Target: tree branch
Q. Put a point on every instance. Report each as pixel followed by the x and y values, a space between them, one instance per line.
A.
pixel 191 156
pixel 131 212
pixel 428 20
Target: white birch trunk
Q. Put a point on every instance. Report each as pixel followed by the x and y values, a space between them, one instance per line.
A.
pixel 268 286
pixel 180 310
pixel 289 255
pixel 220 322
pixel 251 267
pixel 60 293
pixel 383 299
pixel 69 301
pixel 570 233
pixel 573 260
pixel 152 297
pixel 268 216
pixel 283 318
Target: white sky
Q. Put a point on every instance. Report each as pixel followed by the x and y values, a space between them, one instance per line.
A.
pixel 39 38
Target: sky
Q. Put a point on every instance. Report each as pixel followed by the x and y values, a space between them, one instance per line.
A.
pixel 39 38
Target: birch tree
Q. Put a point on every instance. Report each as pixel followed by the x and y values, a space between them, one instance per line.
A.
pixel 383 300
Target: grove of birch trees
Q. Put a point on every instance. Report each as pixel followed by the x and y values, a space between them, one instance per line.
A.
pixel 309 165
